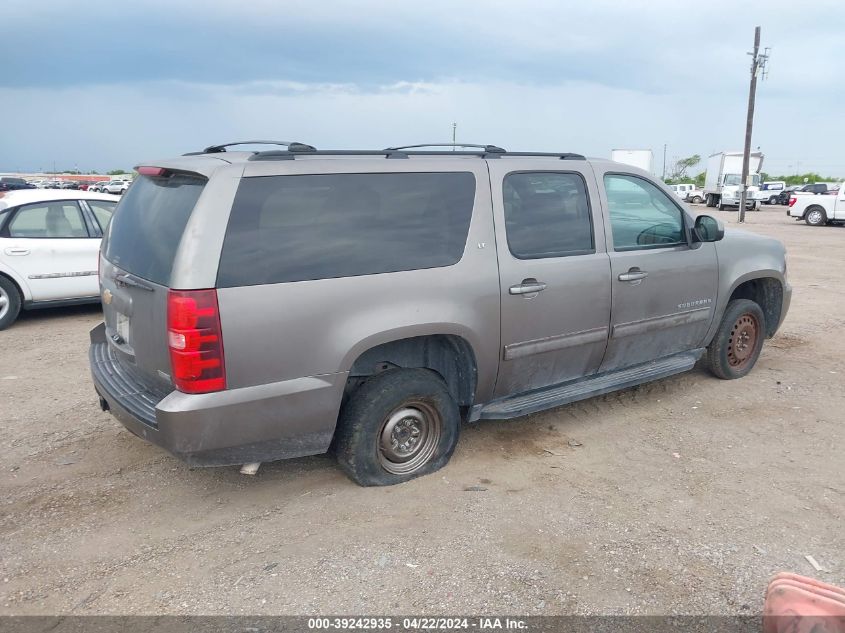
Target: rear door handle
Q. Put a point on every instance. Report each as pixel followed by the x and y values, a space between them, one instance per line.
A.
pixel 635 274
pixel 17 250
pixel 527 287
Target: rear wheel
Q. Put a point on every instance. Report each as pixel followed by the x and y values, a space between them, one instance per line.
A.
pixel 720 206
pixel 696 199
pixel 736 347
pixel 398 425
pixel 773 200
pixel 10 302
pixel 815 216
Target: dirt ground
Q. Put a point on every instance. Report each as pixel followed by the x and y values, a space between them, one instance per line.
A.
pixel 681 496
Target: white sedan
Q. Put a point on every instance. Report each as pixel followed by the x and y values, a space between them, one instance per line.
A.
pixel 49 248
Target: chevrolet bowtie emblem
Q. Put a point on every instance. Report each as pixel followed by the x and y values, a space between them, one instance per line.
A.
pixel 107 296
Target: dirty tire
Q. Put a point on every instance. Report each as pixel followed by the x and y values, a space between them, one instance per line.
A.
pixel 10 302
pixel 734 350
pixel 815 216
pixel 409 401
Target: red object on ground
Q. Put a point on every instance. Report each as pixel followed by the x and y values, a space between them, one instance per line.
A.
pixel 797 604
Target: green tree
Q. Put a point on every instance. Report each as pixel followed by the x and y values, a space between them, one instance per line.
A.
pixel 800 179
pixel 116 172
pixel 678 171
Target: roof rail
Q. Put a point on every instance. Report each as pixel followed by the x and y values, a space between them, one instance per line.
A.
pixel 400 152
pixel 293 146
pixel 490 149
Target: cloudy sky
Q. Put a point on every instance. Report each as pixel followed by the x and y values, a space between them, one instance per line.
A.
pixel 104 85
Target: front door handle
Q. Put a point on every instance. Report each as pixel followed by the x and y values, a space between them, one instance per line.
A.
pixel 17 250
pixel 634 274
pixel 528 286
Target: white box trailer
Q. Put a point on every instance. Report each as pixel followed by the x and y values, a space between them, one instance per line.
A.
pixel 642 158
pixel 723 178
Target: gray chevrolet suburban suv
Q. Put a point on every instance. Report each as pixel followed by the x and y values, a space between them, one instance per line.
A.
pixel 274 304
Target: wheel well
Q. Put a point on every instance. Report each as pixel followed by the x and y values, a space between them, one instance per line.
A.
pixel 15 284
pixel 815 206
pixel 766 292
pixel 450 356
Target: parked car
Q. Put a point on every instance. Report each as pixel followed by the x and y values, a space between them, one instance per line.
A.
pixel 259 308
pixel 49 240
pixel 786 194
pixel 815 188
pixel 99 185
pixel 85 185
pixel 682 190
pixel 818 210
pixel 68 184
pixel 696 196
pixel 770 191
pixel 116 186
pixel 10 183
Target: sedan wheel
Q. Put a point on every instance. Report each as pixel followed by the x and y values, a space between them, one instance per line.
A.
pixel 10 302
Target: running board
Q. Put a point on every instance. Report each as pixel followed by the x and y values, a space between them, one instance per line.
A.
pixel 572 391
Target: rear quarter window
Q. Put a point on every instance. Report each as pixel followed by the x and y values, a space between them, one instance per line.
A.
pixel 298 228
pixel 148 223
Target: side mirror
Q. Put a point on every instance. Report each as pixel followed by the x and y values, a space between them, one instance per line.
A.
pixel 707 229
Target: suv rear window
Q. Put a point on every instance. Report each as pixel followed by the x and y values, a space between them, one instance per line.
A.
pixel 297 228
pixel 148 224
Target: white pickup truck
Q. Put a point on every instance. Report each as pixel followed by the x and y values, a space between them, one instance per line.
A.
pixel 818 210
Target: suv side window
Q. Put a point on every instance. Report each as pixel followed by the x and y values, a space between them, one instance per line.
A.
pixel 547 214
pixel 641 215
pixel 324 226
pixel 59 219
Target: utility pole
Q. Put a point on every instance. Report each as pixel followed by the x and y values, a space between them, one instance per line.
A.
pixel 758 63
pixel 664 162
pixel 454 133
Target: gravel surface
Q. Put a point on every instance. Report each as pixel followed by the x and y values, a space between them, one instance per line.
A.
pixel 681 496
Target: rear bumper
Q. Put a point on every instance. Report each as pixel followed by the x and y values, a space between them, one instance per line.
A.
pixel 280 420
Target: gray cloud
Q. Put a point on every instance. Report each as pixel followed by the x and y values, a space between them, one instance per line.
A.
pixel 110 84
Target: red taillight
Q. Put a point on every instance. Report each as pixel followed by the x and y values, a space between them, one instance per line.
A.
pixel 150 171
pixel 195 340
pixel 792 201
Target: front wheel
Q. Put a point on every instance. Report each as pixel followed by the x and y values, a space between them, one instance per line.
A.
pixel 696 199
pixel 738 341
pixel 815 216
pixel 773 200
pixel 398 425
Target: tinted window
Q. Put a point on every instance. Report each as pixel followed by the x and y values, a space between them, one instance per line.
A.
pixel 48 219
pixel 148 224
pixel 295 228
pixel 641 215
pixel 103 209
pixel 547 215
